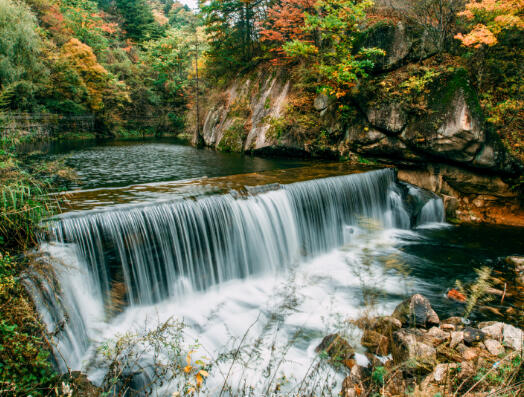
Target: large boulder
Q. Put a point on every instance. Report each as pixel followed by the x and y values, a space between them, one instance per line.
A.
pixel 413 349
pixel 454 129
pixel 401 43
pixel 416 311
pixel 389 117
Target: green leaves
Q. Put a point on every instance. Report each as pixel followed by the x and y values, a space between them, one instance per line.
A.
pixel 335 24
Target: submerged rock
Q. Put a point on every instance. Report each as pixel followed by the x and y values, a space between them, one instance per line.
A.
pixel 416 311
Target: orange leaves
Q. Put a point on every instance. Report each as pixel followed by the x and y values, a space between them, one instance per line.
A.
pixel 197 373
pixel 82 59
pixel 480 35
pixel 491 17
pixel 286 22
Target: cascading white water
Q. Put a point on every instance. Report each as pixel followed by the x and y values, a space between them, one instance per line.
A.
pixel 165 250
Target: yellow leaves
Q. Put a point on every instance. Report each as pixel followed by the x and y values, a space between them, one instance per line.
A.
pixel 510 21
pixel 198 375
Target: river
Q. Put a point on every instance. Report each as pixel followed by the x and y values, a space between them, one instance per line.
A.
pixel 258 256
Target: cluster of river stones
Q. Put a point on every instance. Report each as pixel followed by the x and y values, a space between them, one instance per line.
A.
pixel 415 341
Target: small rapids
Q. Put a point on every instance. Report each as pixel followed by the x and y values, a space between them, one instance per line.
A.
pixel 284 263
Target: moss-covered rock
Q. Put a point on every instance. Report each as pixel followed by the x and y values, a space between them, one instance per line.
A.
pixel 402 43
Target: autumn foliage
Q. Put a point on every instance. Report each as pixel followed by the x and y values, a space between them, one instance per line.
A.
pixel 490 18
pixel 286 22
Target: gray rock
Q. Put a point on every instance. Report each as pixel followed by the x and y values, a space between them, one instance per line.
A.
pixel 512 337
pixel 486 157
pixel 400 42
pixel 494 330
pixel 494 347
pixel 390 117
pixel 412 345
pixel 359 135
pixel 416 311
pixel 321 102
pixel 455 133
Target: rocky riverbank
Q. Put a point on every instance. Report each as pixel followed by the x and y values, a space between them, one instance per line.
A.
pixel 414 351
pixel 417 111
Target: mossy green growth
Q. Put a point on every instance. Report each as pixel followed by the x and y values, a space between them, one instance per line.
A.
pixel 445 87
pixel 233 137
pixel 25 368
pixel 278 127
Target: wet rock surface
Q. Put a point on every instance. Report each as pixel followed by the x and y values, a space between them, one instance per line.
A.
pixel 416 311
pixel 337 349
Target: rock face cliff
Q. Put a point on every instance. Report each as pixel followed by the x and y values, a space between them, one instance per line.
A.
pixel 422 117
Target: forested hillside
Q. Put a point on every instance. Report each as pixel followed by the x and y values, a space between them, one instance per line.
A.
pixel 351 52
pixel 132 64
pixel 125 62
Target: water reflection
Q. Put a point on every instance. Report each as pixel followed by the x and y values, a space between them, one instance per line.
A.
pixel 128 162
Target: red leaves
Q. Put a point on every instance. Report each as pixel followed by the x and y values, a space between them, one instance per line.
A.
pixel 285 22
pixel 455 295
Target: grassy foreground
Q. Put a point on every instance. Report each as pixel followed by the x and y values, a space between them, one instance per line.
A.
pixel 25 368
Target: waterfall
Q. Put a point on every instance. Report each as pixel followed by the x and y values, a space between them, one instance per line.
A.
pixel 163 250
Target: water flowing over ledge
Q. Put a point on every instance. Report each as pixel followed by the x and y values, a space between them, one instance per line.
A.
pixel 140 255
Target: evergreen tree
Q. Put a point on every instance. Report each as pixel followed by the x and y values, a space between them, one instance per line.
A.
pixel 139 22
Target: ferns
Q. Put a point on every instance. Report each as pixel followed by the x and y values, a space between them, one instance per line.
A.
pixel 23 204
pixel 476 293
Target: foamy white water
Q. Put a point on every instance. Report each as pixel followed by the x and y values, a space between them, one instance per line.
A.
pixel 288 265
